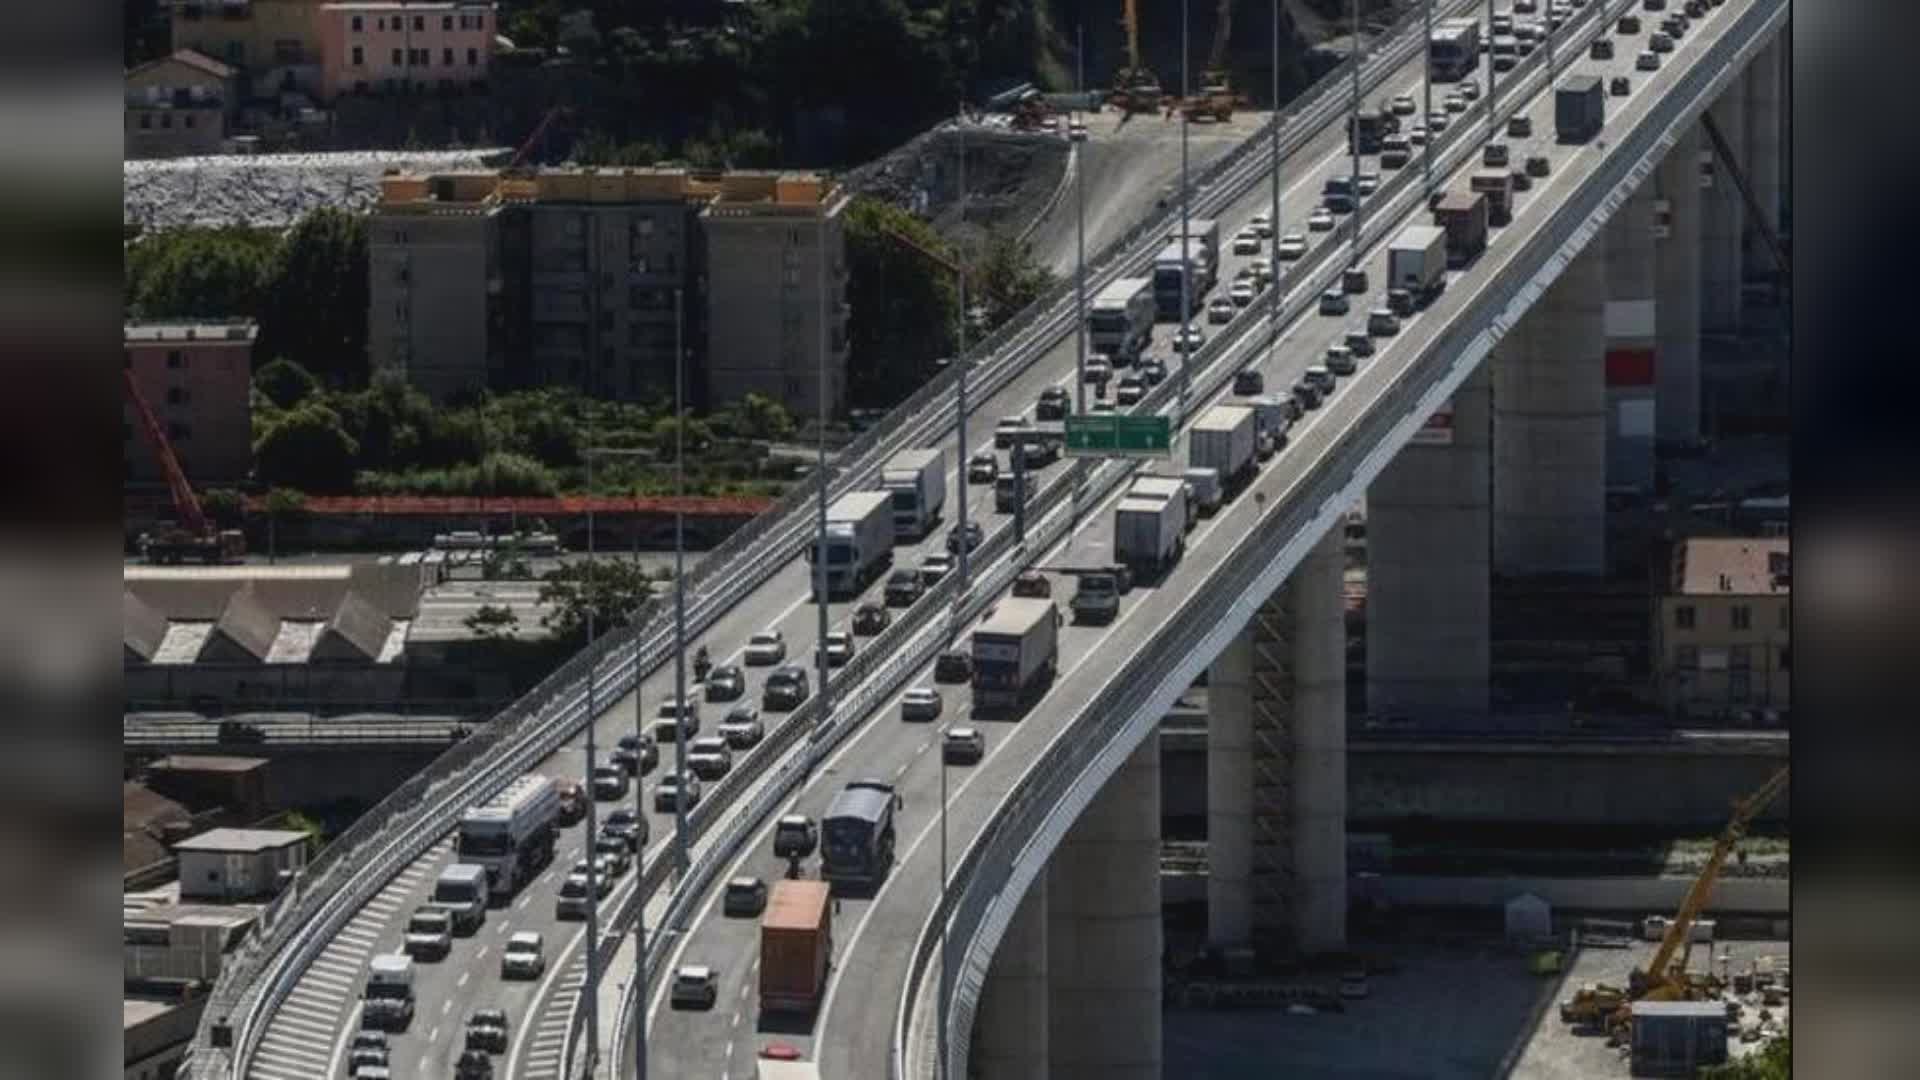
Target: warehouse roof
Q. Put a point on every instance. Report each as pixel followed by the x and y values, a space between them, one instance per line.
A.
pixel 310 593
pixel 241 841
pixel 142 629
pixel 1716 566
pixel 245 630
pixel 357 631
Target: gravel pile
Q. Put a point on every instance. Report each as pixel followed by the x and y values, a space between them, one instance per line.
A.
pixel 269 190
pixel 1010 177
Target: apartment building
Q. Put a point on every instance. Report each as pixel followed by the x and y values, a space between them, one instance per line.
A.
pixel 575 277
pixel 379 47
pixel 1722 634
pixel 275 44
pixel 197 379
pixel 178 105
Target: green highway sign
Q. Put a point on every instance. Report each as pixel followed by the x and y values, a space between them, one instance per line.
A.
pixel 1113 435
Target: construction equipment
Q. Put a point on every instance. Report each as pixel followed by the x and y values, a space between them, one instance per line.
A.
pixel 194 537
pixel 1665 977
pixel 1135 88
pixel 1216 100
pixel 516 167
pixel 1032 113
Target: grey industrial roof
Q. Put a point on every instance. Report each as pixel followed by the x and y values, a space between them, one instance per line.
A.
pixel 241 841
pixel 310 593
pixel 142 628
pixel 358 631
pixel 245 630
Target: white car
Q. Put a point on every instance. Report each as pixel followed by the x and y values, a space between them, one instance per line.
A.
pixel 934 566
pixel 1293 245
pixel 1246 242
pixel 709 758
pixel 525 957
pixel 839 648
pixel 1098 371
pixel 1242 292
pixel 766 648
pixel 1404 106
pixel 1417 135
pixel 1454 103
pixel 1468 90
pixel 1369 183
pixel 1190 339
pixel 694 987
pixel 1437 121
pixel 920 703
pixel 1321 220
pixel 1077 131
pixel 1647 61
pixel 1220 310
pixel 1130 391
pixel 1262 224
pixel 742 727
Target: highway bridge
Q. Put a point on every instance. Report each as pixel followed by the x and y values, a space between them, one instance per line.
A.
pixel 1069 783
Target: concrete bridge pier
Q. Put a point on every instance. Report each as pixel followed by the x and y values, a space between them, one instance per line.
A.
pixel 1765 140
pixel 1104 940
pixel 1428 544
pixel 1631 318
pixel 1276 768
pixel 1010 1030
pixel 1723 217
pixel 1549 429
pixel 1676 362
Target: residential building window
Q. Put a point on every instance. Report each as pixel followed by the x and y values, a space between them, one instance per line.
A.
pixel 236 53
pixel 177 360
pixel 1742 617
pixel 1739 685
pixel 1786 616
pixel 790 257
pixel 166 121
pixel 179 432
pixel 644 227
pixel 397 62
pixel 146 122
pixel 1786 658
pixel 177 395
pixel 446 60
pixel 479 22
pixel 1683 617
pixel 360 60
pixel 380 23
pixel 446 23
pixel 420 22
pixel 791 277
pixel 359 25
pixel 473 57
pixel 187 119
pixel 1687 657
pixel 1740 657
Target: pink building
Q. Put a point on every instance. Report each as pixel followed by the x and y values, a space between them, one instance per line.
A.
pixel 375 47
pixel 197 379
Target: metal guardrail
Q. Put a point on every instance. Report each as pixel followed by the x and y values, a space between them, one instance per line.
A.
pixel 293 928
pixel 1000 863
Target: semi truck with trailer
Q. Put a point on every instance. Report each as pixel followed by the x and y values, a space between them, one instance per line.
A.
pixel 1272 419
pixel 1222 440
pixel 796 946
pixel 1453 49
pixel 1464 217
pixel 859 542
pixel 1579 108
pixel 1120 319
pixel 1175 261
pixel 1015 652
pixel 511 835
pixel 917 482
pixel 1207 232
pixel 1417 262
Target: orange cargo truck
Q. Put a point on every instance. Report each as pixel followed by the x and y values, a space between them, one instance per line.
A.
pixel 796 946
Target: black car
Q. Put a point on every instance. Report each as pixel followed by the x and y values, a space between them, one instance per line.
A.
pixel 870 619
pixel 1247 381
pixel 1619 86
pixel 787 688
pixel 1538 165
pixel 973 533
pixel 1306 395
pixel 1152 372
pixel 625 824
pixel 725 683
pixel 473 1065
pixel 1053 404
pixel 637 753
pixel 903 588
pixel 487 1030
pixel 1628 24
pixel 953 667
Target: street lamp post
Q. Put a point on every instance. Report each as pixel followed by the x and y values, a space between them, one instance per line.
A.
pixel 1184 342
pixel 1273 279
pixel 591 991
pixel 1426 86
pixel 679 590
pixel 960 357
pixel 1353 132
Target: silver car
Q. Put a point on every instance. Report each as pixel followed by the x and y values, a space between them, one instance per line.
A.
pixel 920 703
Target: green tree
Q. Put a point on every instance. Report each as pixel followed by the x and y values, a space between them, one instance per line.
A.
pixel 1007 278
pixel 198 273
pixel 316 312
pixel 1774 1061
pixel 493 622
pixel 903 302
pixel 225 506
pixel 307 449
pixel 757 416
pixel 285 383
pixel 612 589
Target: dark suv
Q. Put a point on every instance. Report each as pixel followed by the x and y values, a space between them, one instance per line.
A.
pixel 903 588
pixel 1053 404
pixel 953 667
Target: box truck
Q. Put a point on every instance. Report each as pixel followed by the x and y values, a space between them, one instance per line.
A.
pixel 1206 232
pixel 1014 652
pixel 859 541
pixel 917 481
pixel 1120 320
pixel 1149 532
pixel 1272 419
pixel 1497 186
pixel 1579 108
pixel 1175 261
pixel 1417 262
pixel 796 946
pixel 1222 440
pixel 1464 217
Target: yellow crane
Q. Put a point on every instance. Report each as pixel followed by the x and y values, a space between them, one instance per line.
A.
pixel 1216 98
pixel 1665 977
pixel 1135 88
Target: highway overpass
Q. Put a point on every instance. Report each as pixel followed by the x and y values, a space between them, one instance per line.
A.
pixel 289 1003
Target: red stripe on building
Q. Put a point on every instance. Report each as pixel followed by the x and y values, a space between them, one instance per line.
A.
pixel 1629 367
pixel 529 506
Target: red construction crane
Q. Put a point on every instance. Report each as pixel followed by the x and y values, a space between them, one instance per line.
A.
pixel 194 537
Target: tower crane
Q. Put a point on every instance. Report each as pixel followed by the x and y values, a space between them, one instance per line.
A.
pixel 194 537
pixel 1135 88
pixel 1665 977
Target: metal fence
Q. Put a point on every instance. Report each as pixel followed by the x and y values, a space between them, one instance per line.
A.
pixel 997 867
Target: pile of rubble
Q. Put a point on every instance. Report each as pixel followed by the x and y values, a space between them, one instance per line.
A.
pixel 270 190
pixel 1011 176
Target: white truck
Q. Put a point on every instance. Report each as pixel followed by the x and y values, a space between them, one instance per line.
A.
pixel 1174 263
pixel 917 482
pixel 461 891
pixel 388 1004
pixel 511 835
pixel 1204 483
pixel 1206 231
pixel 1120 319
pixel 1222 440
pixel 1149 532
pixel 1149 486
pixel 1272 419
pixel 859 541
pixel 1417 262
pixel 1014 652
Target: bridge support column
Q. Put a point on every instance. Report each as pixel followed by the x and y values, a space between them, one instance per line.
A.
pixel 1723 218
pixel 1764 143
pixel 1428 542
pixel 1549 429
pixel 1319 810
pixel 1230 792
pixel 1630 321
pixel 1676 371
pixel 1104 939
pixel 1010 1032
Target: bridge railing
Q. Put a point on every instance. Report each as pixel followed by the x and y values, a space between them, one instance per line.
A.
pixel 360 861
pixel 997 867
